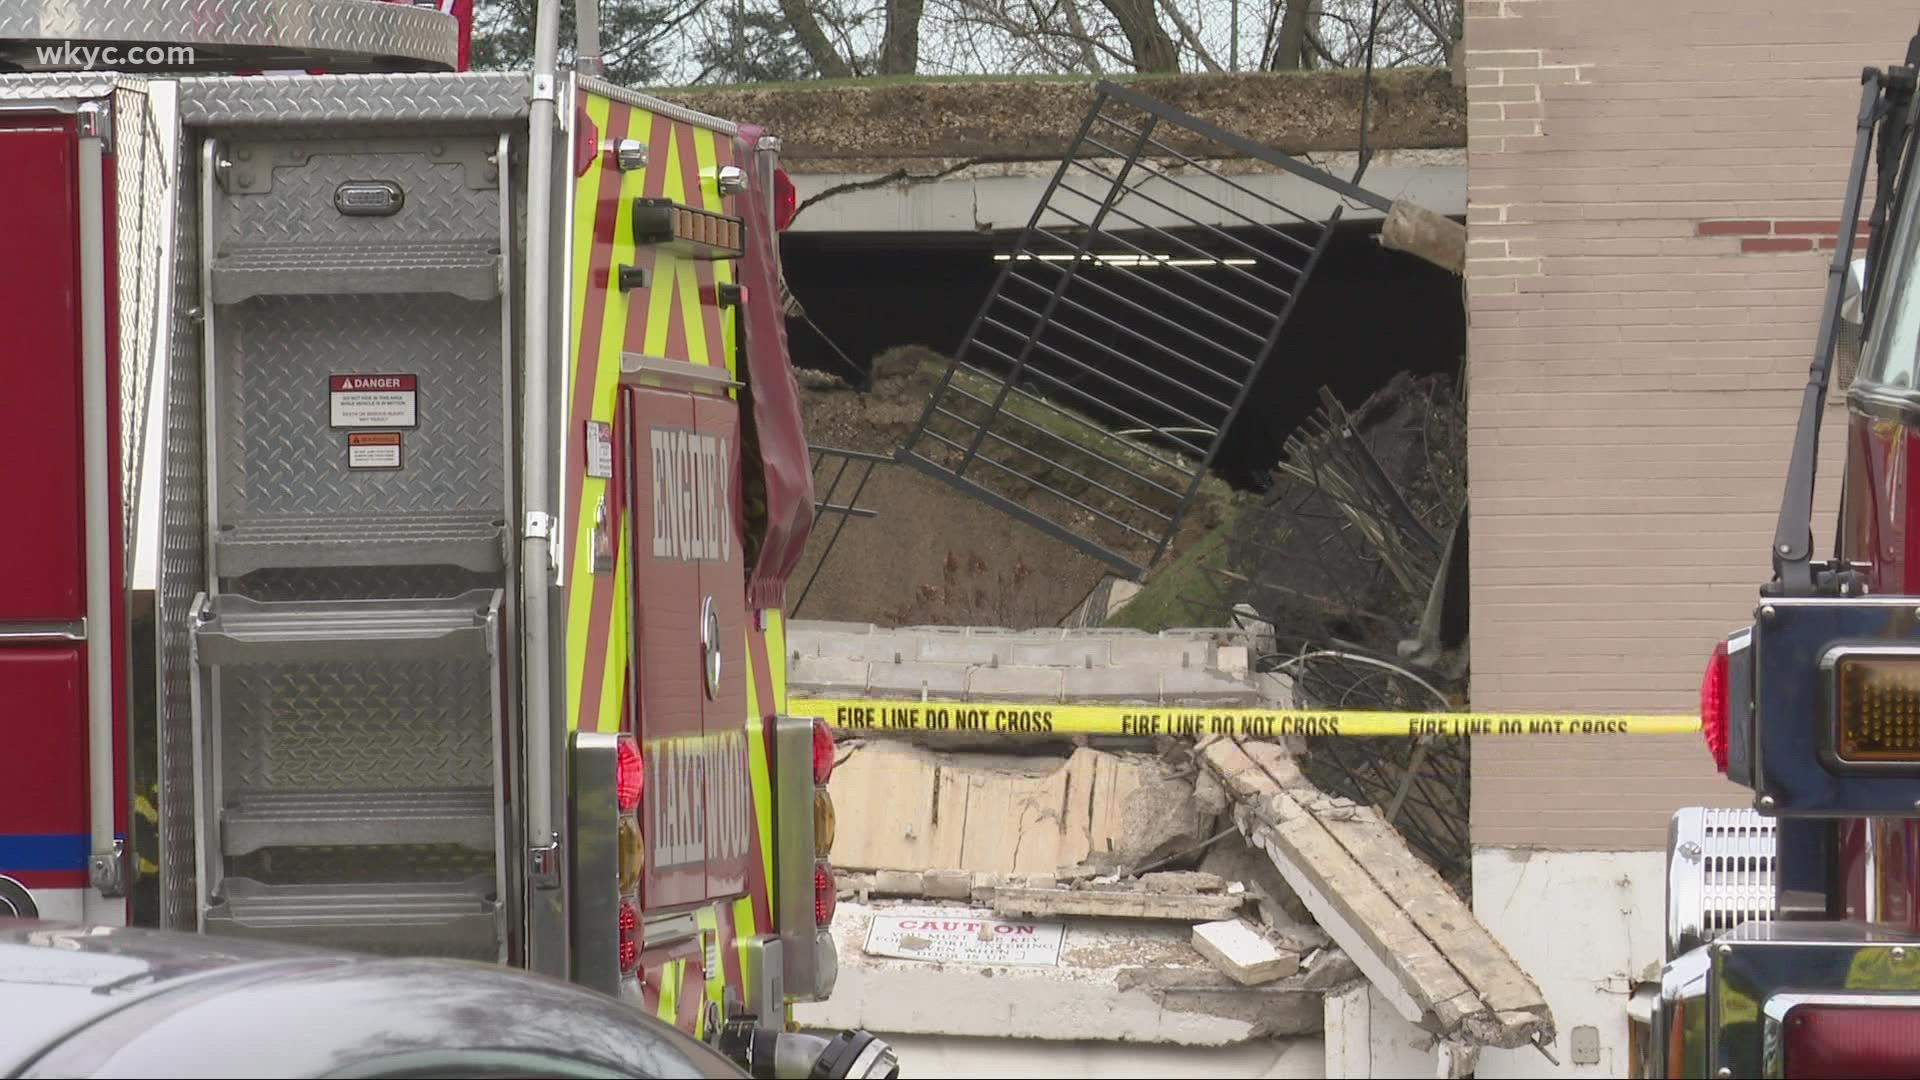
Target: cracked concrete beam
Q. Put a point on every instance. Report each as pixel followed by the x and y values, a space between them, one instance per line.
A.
pixel 1415 940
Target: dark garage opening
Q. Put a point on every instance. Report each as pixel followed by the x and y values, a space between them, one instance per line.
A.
pixel 1365 314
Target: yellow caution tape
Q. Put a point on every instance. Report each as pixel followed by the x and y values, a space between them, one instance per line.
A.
pixel 1008 718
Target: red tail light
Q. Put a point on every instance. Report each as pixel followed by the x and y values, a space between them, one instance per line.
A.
pixel 786 202
pixel 825 899
pixel 629 938
pixel 822 752
pixel 1828 1042
pixel 629 775
pixel 1713 706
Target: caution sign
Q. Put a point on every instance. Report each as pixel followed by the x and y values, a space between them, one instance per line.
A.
pixel 373 450
pixel 853 716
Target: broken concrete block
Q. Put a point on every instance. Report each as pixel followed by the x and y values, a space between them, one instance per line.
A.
pixel 897 883
pixel 1243 952
pixel 947 884
pixel 1159 819
pixel 1232 859
pixel 1182 881
pixel 1209 795
pixel 1115 904
pixel 1330 968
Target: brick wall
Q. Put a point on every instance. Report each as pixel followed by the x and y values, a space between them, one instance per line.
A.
pixel 1653 188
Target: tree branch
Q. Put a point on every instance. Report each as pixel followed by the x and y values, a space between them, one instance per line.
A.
pixel 902 176
pixel 1186 33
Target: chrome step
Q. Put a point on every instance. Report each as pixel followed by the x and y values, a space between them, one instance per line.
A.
pixel 472 541
pixel 465 268
pixel 463 816
pixel 457 919
pixel 232 629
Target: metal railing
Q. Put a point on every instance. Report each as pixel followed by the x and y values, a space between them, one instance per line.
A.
pixel 1096 386
pixel 847 468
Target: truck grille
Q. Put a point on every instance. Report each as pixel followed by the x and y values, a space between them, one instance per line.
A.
pixel 1720 873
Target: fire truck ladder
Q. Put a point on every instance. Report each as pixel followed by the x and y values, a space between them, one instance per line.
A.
pixel 350 675
pixel 1107 366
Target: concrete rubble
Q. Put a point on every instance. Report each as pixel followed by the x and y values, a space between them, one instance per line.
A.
pixel 1208 890
pixel 1201 667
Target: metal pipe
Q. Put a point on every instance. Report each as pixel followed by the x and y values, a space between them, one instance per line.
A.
pixel 1870 870
pixel 105 865
pixel 537 540
pixel 586 54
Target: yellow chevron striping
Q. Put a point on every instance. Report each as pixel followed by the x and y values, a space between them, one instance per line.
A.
pixel 586 206
pixel 671 973
pixel 760 770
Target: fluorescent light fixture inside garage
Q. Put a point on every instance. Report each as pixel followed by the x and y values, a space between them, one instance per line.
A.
pixel 1127 260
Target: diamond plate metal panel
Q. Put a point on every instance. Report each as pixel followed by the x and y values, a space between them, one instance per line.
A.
pixel 294 202
pixel 182 569
pixel 343 865
pixel 362 582
pixel 355 99
pixel 146 146
pixel 279 457
pixel 360 725
pixel 343 30
pixel 60 86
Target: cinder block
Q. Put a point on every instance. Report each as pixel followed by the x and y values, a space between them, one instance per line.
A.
pixel 1204 687
pixel 912 677
pixel 1014 684
pixel 1161 654
pixel 832 674
pixel 1058 652
pixel 1137 683
pixel 957 648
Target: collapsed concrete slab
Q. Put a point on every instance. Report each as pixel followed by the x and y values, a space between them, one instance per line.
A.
pixel 1120 982
pixel 1201 668
pixel 1414 938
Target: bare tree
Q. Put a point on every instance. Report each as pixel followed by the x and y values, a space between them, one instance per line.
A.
pixel 813 39
pixel 1152 47
pixel 747 40
pixel 900 50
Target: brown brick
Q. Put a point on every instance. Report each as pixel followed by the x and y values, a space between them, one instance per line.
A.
pixel 1815 228
pixel 1776 243
pixel 1735 228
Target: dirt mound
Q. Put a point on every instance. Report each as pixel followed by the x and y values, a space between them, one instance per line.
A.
pixel 933 555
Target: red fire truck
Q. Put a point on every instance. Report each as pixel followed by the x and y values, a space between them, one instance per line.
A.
pixel 409 469
pixel 1793 928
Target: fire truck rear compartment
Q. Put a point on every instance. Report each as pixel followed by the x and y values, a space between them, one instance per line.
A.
pixel 349 654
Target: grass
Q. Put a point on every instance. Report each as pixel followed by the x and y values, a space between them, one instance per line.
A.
pixel 1186 589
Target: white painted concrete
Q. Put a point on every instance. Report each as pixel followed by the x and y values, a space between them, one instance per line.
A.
pixel 1367 1038
pixel 932 1056
pixel 1091 995
pixel 990 198
pixel 1587 925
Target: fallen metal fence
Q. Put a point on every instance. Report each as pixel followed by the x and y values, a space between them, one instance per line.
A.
pixel 851 469
pixel 1094 390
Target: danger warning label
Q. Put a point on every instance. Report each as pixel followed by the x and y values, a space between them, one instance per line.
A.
pixel 373 401
pixel 1056 719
